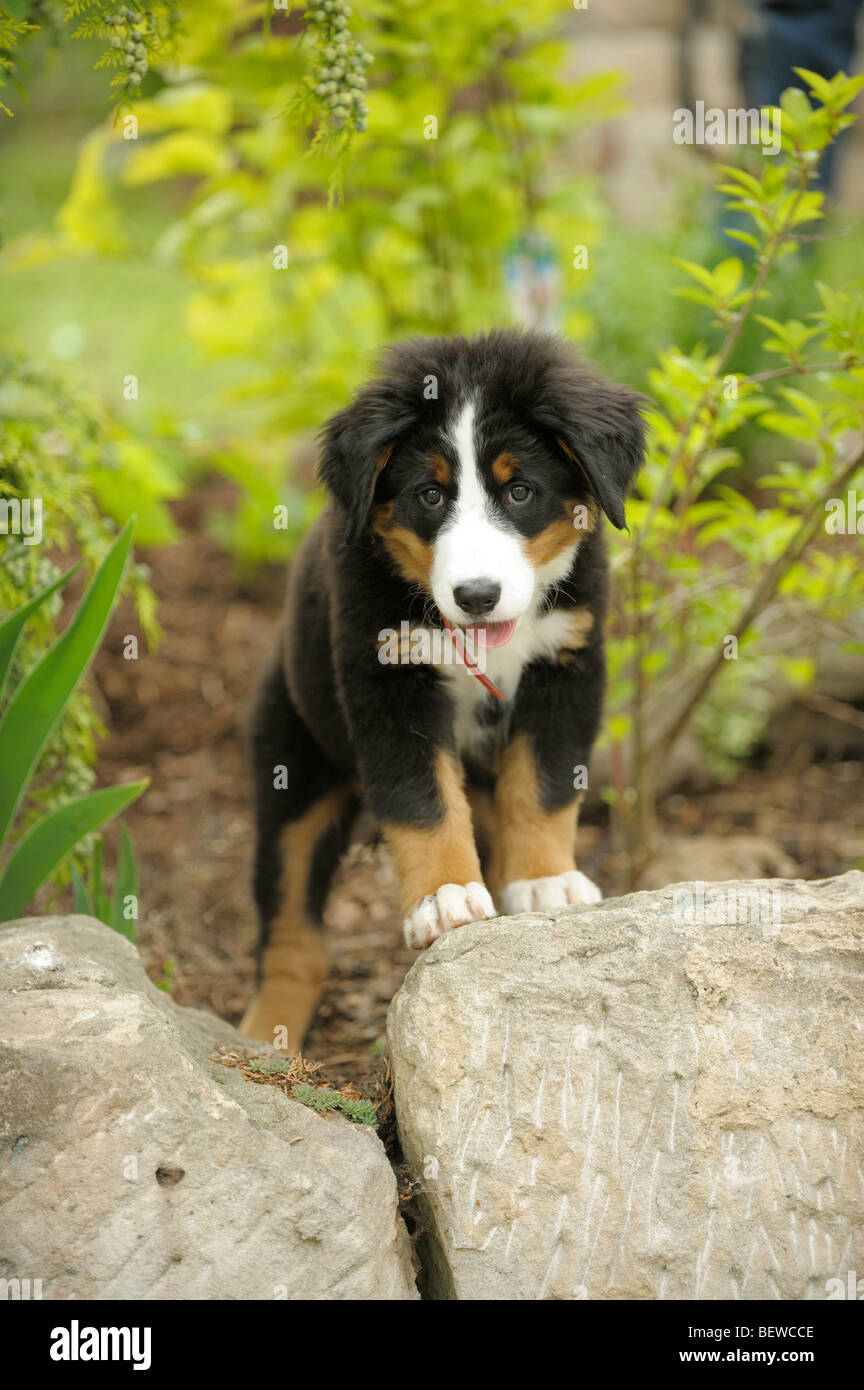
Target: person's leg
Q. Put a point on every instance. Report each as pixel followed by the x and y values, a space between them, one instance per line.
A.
pixel 814 34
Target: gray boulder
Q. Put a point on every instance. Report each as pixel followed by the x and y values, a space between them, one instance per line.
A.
pixel 657 1097
pixel 134 1168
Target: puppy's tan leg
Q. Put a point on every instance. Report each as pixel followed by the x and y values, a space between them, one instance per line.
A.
pixel 533 864
pixel 295 959
pixel 438 867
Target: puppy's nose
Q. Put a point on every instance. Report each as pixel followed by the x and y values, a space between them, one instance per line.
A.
pixel 477 596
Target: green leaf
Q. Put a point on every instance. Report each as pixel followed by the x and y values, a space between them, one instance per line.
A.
pixel 832 301
pixel 697 271
pixel 794 105
pixel 727 276
pixel 100 898
pixel 778 328
pixel 193 105
pixel 83 901
pixel 819 86
pixel 696 296
pixel 738 235
pixel 803 404
pixel 791 426
pixel 53 837
pixel 800 671
pixel 10 628
pixel 742 177
pixel 167 975
pixel 125 886
pixel 182 154
pixel 39 700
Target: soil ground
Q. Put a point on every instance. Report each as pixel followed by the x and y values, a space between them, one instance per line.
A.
pixel 176 716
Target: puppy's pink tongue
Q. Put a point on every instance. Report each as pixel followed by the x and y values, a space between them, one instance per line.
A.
pixel 494 634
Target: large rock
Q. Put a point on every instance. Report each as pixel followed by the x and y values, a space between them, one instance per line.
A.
pixel 659 1097
pixel 133 1168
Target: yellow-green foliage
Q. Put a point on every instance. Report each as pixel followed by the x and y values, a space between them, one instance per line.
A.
pixel 469 144
pixel 703 561
pixel 87 472
pixel 299 294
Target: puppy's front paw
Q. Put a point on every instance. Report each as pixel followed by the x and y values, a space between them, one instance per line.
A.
pixel 538 894
pixel 453 905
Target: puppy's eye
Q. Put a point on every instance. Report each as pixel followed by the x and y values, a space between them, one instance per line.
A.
pixel 432 497
pixel 519 492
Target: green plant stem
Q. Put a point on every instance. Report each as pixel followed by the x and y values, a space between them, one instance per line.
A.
pixel 644 758
pixel 806 369
pixel 767 262
pixel 798 542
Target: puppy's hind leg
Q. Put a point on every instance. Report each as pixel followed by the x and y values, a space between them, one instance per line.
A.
pixel 304 809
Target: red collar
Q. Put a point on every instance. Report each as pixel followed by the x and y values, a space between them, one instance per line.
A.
pixel 484 680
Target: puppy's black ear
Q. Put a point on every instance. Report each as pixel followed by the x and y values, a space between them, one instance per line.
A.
pixel 355 447
pixel 353 453
pixel 599 427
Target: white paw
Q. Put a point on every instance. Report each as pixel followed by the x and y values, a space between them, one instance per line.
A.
pixel 537 894
pixel 452 906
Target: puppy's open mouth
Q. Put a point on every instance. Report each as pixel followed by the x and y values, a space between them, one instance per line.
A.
pixel 491 634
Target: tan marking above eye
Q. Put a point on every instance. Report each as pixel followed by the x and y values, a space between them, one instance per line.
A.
pixel 440 469
pixel 504 467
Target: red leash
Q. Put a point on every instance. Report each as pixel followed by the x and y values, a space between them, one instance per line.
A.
pixel 484 680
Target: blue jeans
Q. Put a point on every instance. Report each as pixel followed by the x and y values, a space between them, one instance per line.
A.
pixel 815 34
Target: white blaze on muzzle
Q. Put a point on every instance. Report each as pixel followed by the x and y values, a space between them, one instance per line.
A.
pixel 473 544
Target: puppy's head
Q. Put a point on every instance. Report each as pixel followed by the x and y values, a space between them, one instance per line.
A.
pixel 481 464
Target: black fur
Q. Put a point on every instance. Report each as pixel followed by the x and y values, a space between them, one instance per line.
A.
pixel 530 380
pixel 328 709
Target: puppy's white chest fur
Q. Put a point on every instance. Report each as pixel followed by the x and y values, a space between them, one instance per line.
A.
pixel 536 635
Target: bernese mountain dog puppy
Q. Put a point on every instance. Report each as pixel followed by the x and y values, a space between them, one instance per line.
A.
pixel 466 483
